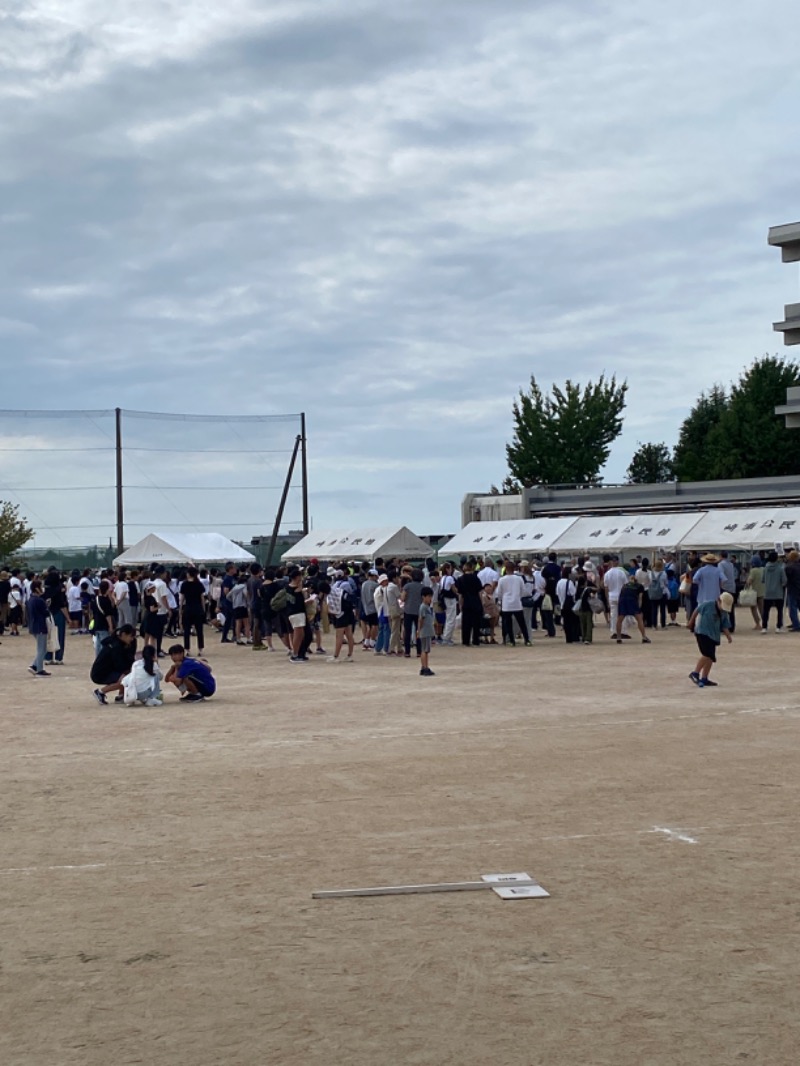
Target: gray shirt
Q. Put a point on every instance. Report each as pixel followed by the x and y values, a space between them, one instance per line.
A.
pixel 368 595
pixel 728 575
pixel 426 626
pixel 412 598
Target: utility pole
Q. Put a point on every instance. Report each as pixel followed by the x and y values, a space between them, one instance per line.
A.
pixel 120 519
pixel 304 471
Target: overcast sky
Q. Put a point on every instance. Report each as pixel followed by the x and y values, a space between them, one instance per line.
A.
pixel 388 216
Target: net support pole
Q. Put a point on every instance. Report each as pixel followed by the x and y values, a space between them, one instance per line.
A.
pixel 118 450
pixel 279 515
pixel 304 471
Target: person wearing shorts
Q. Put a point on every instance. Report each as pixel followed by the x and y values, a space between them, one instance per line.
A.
pixel 426 630
pixel 193 677
pixel 302 634
pixel 708 622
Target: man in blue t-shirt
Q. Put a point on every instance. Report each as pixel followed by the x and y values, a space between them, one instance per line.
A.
pixel 192 676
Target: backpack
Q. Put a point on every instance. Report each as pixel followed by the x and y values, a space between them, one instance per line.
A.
pixel 656 589
pixel 335 601
pixel 674 588
pixel 280 601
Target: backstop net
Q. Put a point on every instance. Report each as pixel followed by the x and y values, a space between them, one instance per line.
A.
pixel 179 472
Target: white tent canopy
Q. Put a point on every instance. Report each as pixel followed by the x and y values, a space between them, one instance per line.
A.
pixel 183 549
pixel 367 543
pixel 746 528
pixel 481 538
pixel 537 535
pixel 631 532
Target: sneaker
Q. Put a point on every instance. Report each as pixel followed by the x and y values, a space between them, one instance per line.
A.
pixel 780 629
pixel 297 659
pixel 119 699
pixel 646 640
pixel 43 673
pixel 33 670
pixel 333 659
pixel 152 703
pixel 320 651
pixel 162 655
pixel 626 636
pixel 259 647
pixel 226 640
pixel 702 683
pixel 619 640
pixel 529 643
pixel 764 631
pixel 707 683
pixel 427 673
pixel 100 696
pixel 241 641
pixel 695 677
pixel 192 697
pixel 349 659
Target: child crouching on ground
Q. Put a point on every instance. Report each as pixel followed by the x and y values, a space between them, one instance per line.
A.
pixel 708 622
pixel 143 683
pixel 425 629
pixel 193 677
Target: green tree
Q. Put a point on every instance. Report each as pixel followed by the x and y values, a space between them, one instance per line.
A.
pixel 565 438
pixel 14 531
pixel 691 459
pixel 651 464
pixel 750 440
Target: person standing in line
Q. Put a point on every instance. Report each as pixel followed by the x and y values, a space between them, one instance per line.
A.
pixel 5 589
pixel 227 583
pixel 488 575
pixel 708 622
pixel 449 597
pixel 727 573
pixel 122 599
pixel 302 634
pixel 74 606
pixel 793 589
pixel 15 603
pixel 511 589
pixel 774 591
pixel 657 595
pixel 157 610
pixel 238 601
pixel 614 580
pixel 341 601
pixel 469 590
pixel 104 615
pixel 192 601
pixel 707 580
pixel 56 599
pixel 134 598
pixel 37 627
pixel 755 581
pixel 644 578
pixel 425 630
pixel 382 609
pixel 254 582
pixel 395 612
pixel 369 616
pixel 411 598
pixel 566 591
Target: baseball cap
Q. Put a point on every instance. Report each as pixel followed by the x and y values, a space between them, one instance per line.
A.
pixel 373 571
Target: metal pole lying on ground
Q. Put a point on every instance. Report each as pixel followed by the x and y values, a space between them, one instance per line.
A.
pixel 517 880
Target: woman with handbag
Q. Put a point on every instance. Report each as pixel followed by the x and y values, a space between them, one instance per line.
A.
pixel 752 595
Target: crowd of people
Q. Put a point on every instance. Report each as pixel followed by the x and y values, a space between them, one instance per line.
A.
pixel 388 607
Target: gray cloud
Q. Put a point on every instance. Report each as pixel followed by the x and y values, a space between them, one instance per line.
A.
pixel 389 219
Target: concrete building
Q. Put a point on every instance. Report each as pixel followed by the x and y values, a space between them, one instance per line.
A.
pixel 787 238
pixel 632 499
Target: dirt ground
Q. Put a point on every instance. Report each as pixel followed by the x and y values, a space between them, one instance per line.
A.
pixel 157 864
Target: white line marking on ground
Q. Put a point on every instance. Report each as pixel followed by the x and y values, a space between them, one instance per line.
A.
pixel 675 834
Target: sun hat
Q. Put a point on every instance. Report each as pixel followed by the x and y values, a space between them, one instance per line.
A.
pixel 331 571
pixel 710 557
pixel 588 565
pixel 524 562
pixel 383 577
pixel 726 601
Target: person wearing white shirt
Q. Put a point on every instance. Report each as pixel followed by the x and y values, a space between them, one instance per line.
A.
pixel 488 576
pixel 510 590
pixel 449 596
pixel 122 600
pixel 614 581
pixel 566 591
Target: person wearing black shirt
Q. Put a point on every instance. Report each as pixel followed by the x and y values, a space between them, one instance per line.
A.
pixel 104 615
pixel 55 593
pixel 302 634
pixel 5 589
pixel 193 608
pixel 114 660
pixel 469 589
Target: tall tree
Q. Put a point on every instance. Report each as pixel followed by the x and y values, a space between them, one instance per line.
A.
pixel 651 464
pixel 14 531
pixel 750 440
pixel 565 438
pixel 691 461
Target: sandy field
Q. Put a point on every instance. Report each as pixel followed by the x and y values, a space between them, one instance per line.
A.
pixel 157 864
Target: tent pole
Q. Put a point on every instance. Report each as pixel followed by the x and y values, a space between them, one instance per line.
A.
pixel 279 516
